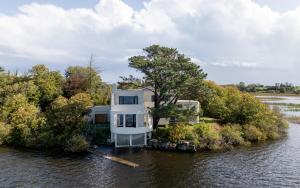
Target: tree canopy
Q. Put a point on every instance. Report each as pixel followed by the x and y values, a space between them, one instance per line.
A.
pixel 48 82
pixel 168 73
pixel 35 113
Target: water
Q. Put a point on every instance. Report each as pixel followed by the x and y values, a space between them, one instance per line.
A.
pixel 270 164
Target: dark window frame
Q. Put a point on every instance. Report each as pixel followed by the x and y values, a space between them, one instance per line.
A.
pixel 131 100
pixel 133 120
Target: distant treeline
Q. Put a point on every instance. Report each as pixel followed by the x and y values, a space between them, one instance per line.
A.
pixel 286 88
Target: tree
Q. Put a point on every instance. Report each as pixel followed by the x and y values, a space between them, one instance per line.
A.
pixel 28 89
pixel 23 120
pixel 168 74
pixel 242 86
pixel 66 121
pixel 49 83
pixel 81 80
pixel 130 82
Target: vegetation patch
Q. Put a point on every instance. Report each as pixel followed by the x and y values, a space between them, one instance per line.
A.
pixel 293 119
pixel 234 118
pixel 270 98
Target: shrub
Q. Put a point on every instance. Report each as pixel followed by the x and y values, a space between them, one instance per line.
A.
pixel 101 135
pixel 76 144
pixel 232 134
pixel 23 120
pixel 181 132
pixel 161 133
pixel 252 133
pixel 4 132
pixel 209 137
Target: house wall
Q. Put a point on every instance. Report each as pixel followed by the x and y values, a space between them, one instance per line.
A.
pixel 144 120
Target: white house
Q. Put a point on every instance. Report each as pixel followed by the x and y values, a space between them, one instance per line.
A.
pixel 129 116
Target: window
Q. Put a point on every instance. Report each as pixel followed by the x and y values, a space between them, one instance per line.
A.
pixel 130 120
pixel 128 99
pixel 101 118
pixel 120 120
pixel 123 140
pixel 138 139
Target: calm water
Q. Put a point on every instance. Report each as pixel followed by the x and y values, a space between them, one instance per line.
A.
pixel 271 164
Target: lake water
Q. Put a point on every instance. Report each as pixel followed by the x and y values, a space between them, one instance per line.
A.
pixel 270 164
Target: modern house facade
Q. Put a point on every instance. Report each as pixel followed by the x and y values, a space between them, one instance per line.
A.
pixel 129 116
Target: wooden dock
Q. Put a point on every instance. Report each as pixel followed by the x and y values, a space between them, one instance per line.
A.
pixel 122 161
pixel 117 159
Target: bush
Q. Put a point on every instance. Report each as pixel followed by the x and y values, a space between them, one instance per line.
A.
pixel 23 120
pixel 181 132
pixel 253 134
pixel 4 132
pixel 232 134
pixel 76 144
pixel 209 137
pixel 101 135
pixel 161 133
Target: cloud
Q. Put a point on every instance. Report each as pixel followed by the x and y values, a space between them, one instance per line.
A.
pixel 235 35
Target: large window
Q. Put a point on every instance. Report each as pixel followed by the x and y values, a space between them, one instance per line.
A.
pixel 130 120
pixel 101 118
pixel 128 99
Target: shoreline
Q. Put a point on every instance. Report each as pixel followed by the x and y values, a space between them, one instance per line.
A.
pixel 275 94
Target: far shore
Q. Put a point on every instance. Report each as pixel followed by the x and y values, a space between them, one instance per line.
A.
pixel 276 94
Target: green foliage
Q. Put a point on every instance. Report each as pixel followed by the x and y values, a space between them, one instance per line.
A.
pixel 4 133
pixel 181 132
pixel 83 99
pixel 80 80
pixel 253 134
pixel 76 144
pixel 65 118
pixel 232 134
pixel 168 74
pixel 86 80
pixel 101 135
pixel 161 133
pixel 48 82
pixel 131 82
pixel 285 88
pixel 23 120
pixel 209 137
pixel 61 123
pixel 28 89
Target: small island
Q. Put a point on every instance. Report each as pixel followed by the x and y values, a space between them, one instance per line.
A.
pixel 44 109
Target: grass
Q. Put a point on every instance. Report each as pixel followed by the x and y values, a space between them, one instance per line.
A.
pixel 271 98
pixel 208 120
pixel 284 104
pixel 293 119
pixel 275 94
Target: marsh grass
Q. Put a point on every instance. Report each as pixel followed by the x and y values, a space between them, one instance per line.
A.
pixel 271 98
pixel 293 119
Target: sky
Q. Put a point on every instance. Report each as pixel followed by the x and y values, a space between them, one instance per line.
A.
pixel 255 41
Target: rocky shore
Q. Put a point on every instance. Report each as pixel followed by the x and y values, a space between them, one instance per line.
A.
pixel 184 146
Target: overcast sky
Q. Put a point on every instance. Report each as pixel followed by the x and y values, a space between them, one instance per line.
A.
pixel 233 40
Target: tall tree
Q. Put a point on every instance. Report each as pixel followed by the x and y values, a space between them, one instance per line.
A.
pixel 85 80
pixel 81 79
pixel 49 83
pixel 169 74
